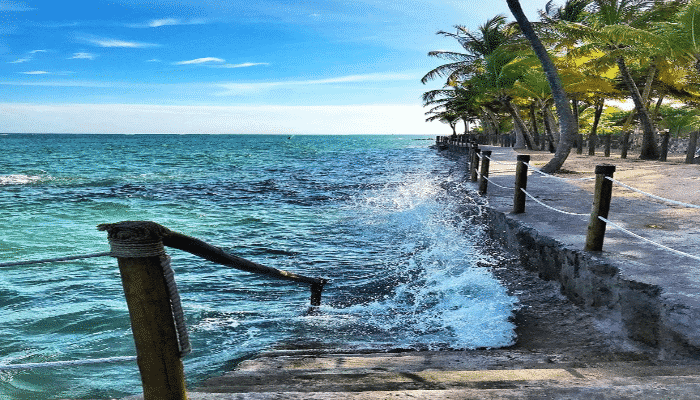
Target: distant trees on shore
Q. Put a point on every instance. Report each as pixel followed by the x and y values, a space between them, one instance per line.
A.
pixel 646 51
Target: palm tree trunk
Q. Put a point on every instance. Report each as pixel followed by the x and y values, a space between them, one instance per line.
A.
pixel 535 129
pixel 566 117
pixel 522 130
pixel 555 130
pixel 649 150
pixel 593 137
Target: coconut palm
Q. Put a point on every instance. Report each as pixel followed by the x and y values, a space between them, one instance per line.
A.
pixel 566 118
pixel 622 30
pixel 490 36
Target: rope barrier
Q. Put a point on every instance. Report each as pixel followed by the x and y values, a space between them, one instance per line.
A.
pixel 550 207
pixel 49 260
pixel 607 221
pixel 71 363
pixel 679 203
pixel 496 184
pixel 499 162
pixel 558 177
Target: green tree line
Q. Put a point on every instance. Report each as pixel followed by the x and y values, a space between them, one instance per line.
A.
pixel 548 80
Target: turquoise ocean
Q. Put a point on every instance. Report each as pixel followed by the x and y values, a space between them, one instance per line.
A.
pixel 385 218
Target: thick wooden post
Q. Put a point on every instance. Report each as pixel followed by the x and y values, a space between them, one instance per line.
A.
pixel 606 151
pixel 138 247
pixel 483 181
pixel 520 183
pixel 692 144
pixel 601 207
pixel 475 164
pixel 665 136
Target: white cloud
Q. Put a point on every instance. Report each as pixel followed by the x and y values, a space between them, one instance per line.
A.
pixel 156 23
pixel 200 61
pixel 242 65
pixel 83 56
pixel 163 22
pixel 35 72
pixel 233 88
pixel 28 58
pixel 143 118
pixel 104 42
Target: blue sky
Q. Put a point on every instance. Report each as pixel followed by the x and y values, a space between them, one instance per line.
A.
pixel 199 66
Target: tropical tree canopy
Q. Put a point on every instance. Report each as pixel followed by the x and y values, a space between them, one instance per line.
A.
pixel 646 52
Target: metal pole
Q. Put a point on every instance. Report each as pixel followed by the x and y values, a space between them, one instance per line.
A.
pixel 601 207
pixel 483 181
pixel 520 183
pixel 138 247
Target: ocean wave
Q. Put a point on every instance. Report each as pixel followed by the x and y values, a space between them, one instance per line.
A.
pixel 19 179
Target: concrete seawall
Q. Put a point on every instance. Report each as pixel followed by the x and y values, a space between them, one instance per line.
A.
pixel 648 299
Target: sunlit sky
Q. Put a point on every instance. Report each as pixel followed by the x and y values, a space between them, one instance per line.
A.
pixel 200 66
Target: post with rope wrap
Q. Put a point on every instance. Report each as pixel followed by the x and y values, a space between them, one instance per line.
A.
pixel 601 207
pixel 139 249
pixel 483 181
pixel 520 183
pixel 474 163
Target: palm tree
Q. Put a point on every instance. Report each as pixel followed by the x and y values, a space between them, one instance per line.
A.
pixel 490 37
pixel 621 29
pixel 566 117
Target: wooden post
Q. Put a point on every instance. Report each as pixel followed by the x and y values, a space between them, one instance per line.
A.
pixel 608 138
pixel 692 144
pixel 138 247
pixel 665 136
pixel 520 183
pixel 579 144
pixel 483 181
pixel 475 164
pixel 624 144
pixel 601 207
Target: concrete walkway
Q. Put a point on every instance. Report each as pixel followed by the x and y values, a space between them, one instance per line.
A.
pixel 674 279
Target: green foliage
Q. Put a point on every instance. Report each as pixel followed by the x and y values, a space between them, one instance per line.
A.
pixel 679 120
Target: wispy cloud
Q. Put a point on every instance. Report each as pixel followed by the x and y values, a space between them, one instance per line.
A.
pixel 233 88
pixel 157 23
pixel 107 42
pixel 83 56
pixel 242 65
pixel 35 72
pixel 215 62
pixel 29 57
pixel 6 5
pixel 203 60
pixel 163 22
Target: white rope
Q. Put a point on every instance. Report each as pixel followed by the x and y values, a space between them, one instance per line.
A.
pixel 647 240
pixel 550 207
pixel 678 203
pixel 183 338
pixel 54 364
pixel 502 187
pixel 50 260
pixel 502 163
pixel 557 177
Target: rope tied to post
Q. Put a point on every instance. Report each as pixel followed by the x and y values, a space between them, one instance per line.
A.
pixel 141 240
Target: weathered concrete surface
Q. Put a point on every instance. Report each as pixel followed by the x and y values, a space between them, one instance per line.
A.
pixel 653 293
pixel 487 374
